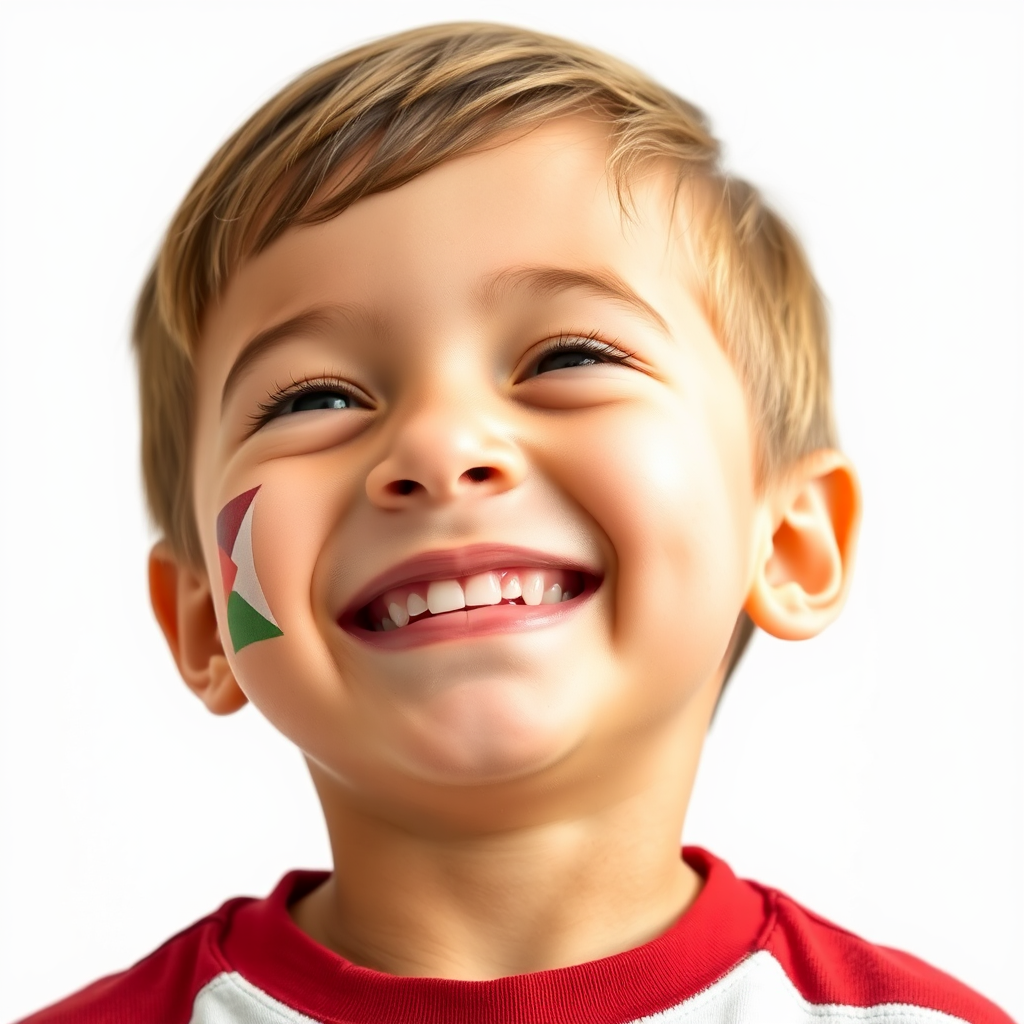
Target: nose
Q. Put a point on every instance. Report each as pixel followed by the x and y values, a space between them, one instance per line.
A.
pixel 442 455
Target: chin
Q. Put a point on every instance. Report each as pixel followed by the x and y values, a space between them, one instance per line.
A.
pixel 476 733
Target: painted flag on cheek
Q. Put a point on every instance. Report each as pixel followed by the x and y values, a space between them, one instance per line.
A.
pixel 249 615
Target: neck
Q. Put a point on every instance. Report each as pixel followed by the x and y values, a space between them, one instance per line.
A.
pixel 473 904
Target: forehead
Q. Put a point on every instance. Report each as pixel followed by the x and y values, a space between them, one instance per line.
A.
pixel 460 233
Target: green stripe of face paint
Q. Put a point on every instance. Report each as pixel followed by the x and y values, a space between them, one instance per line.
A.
pixel 245 624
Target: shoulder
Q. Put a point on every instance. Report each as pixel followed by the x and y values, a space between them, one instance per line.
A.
pixel 827 965
pixel 161 987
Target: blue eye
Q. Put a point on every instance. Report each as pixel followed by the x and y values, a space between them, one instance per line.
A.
pixel 307 396
pixel 320 400
pixel 564 360
pixel 568 353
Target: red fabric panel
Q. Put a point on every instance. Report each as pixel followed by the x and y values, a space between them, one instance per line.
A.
pixel 158 990
pixel 829 965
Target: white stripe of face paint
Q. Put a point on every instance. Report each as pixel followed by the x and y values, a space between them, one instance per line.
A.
pixel 246 583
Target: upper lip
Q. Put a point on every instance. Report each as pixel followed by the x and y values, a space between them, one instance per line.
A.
pixel 453 563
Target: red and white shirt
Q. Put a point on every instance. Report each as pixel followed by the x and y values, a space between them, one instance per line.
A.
pixel 741 954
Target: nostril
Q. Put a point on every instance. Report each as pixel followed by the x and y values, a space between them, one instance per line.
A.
pixel 403 486
pixel 479 473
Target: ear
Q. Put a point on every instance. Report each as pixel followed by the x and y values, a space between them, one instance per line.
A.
pixel 183 604
pixel 808 536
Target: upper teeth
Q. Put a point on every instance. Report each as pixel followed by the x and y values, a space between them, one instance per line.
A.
pixel 445 596
pixel 398 615
pixel 483 588
pixel 533 587
pixel 398 607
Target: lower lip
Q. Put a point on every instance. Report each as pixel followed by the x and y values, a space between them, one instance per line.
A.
pixel 469 623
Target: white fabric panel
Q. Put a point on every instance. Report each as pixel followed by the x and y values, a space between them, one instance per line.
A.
pixel 758 991
pixel 755 992
pixel 230 999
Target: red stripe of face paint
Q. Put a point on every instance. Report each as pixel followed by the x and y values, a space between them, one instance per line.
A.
pixel 228 571
pixel 230 519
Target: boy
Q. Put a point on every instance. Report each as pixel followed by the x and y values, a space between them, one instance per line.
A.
pixel 483 415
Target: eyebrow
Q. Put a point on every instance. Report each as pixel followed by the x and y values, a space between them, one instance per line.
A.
pixel 550 280
pixel 320 320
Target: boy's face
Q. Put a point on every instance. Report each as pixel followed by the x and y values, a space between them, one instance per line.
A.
pixel 490 370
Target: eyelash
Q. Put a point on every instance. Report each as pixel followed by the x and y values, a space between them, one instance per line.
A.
pixel 278 399
pixel 588 343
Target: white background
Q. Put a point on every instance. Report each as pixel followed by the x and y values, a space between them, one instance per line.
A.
pixel 875 774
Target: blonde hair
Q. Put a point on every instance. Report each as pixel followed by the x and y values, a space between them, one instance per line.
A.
pixel 372 119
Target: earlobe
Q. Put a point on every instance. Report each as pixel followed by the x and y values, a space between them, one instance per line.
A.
pixel 805 557
pixel 183 604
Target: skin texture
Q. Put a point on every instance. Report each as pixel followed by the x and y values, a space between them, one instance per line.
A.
pixel 510 802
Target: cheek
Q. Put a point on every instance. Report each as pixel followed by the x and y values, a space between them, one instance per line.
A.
pixel 287 525
pixel 670 494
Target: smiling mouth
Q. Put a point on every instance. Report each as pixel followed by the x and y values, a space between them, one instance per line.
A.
pixel 412 603
pixel 461 593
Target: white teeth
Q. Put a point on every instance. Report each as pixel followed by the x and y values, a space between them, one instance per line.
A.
pixel 533 587
pixel 445 596
pixel 483 589
pixel 398 614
